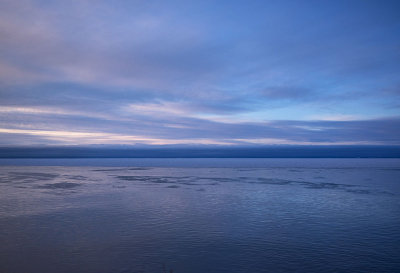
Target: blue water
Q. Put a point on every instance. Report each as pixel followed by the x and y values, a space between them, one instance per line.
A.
pixel 199 215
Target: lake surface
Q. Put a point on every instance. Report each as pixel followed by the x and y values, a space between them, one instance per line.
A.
pixel 199 215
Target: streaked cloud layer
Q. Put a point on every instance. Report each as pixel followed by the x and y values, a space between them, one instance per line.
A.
pixel 199 72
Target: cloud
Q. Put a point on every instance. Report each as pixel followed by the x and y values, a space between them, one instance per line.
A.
pixel 166 126
pixel 336 117
pixel 203 71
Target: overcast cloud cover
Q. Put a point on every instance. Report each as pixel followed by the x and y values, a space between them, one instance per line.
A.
pixel 199 72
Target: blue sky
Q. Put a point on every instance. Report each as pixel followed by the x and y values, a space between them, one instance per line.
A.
pixel 84 72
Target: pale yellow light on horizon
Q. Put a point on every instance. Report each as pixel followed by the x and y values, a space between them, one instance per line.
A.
pixel 87 138
pixel 68 137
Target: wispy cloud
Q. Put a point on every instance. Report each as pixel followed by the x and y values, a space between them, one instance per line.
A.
pixel 199 131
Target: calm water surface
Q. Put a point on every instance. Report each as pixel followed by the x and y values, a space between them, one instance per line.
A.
pixel 200 215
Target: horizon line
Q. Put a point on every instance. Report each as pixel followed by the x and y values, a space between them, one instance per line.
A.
pixel 270 151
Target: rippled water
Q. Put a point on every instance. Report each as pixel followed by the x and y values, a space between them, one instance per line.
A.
pixel 243 216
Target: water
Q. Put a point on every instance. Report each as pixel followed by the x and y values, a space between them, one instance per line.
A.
pixel 200 215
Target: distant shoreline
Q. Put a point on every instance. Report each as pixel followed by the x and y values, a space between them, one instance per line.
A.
pixel 203 152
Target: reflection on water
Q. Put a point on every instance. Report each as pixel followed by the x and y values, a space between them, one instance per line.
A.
pixel 240 219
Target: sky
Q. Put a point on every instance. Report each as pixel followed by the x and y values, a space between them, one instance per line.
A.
pixel 83 72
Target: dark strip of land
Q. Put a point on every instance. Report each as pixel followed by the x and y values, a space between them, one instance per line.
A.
pixel 204 152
